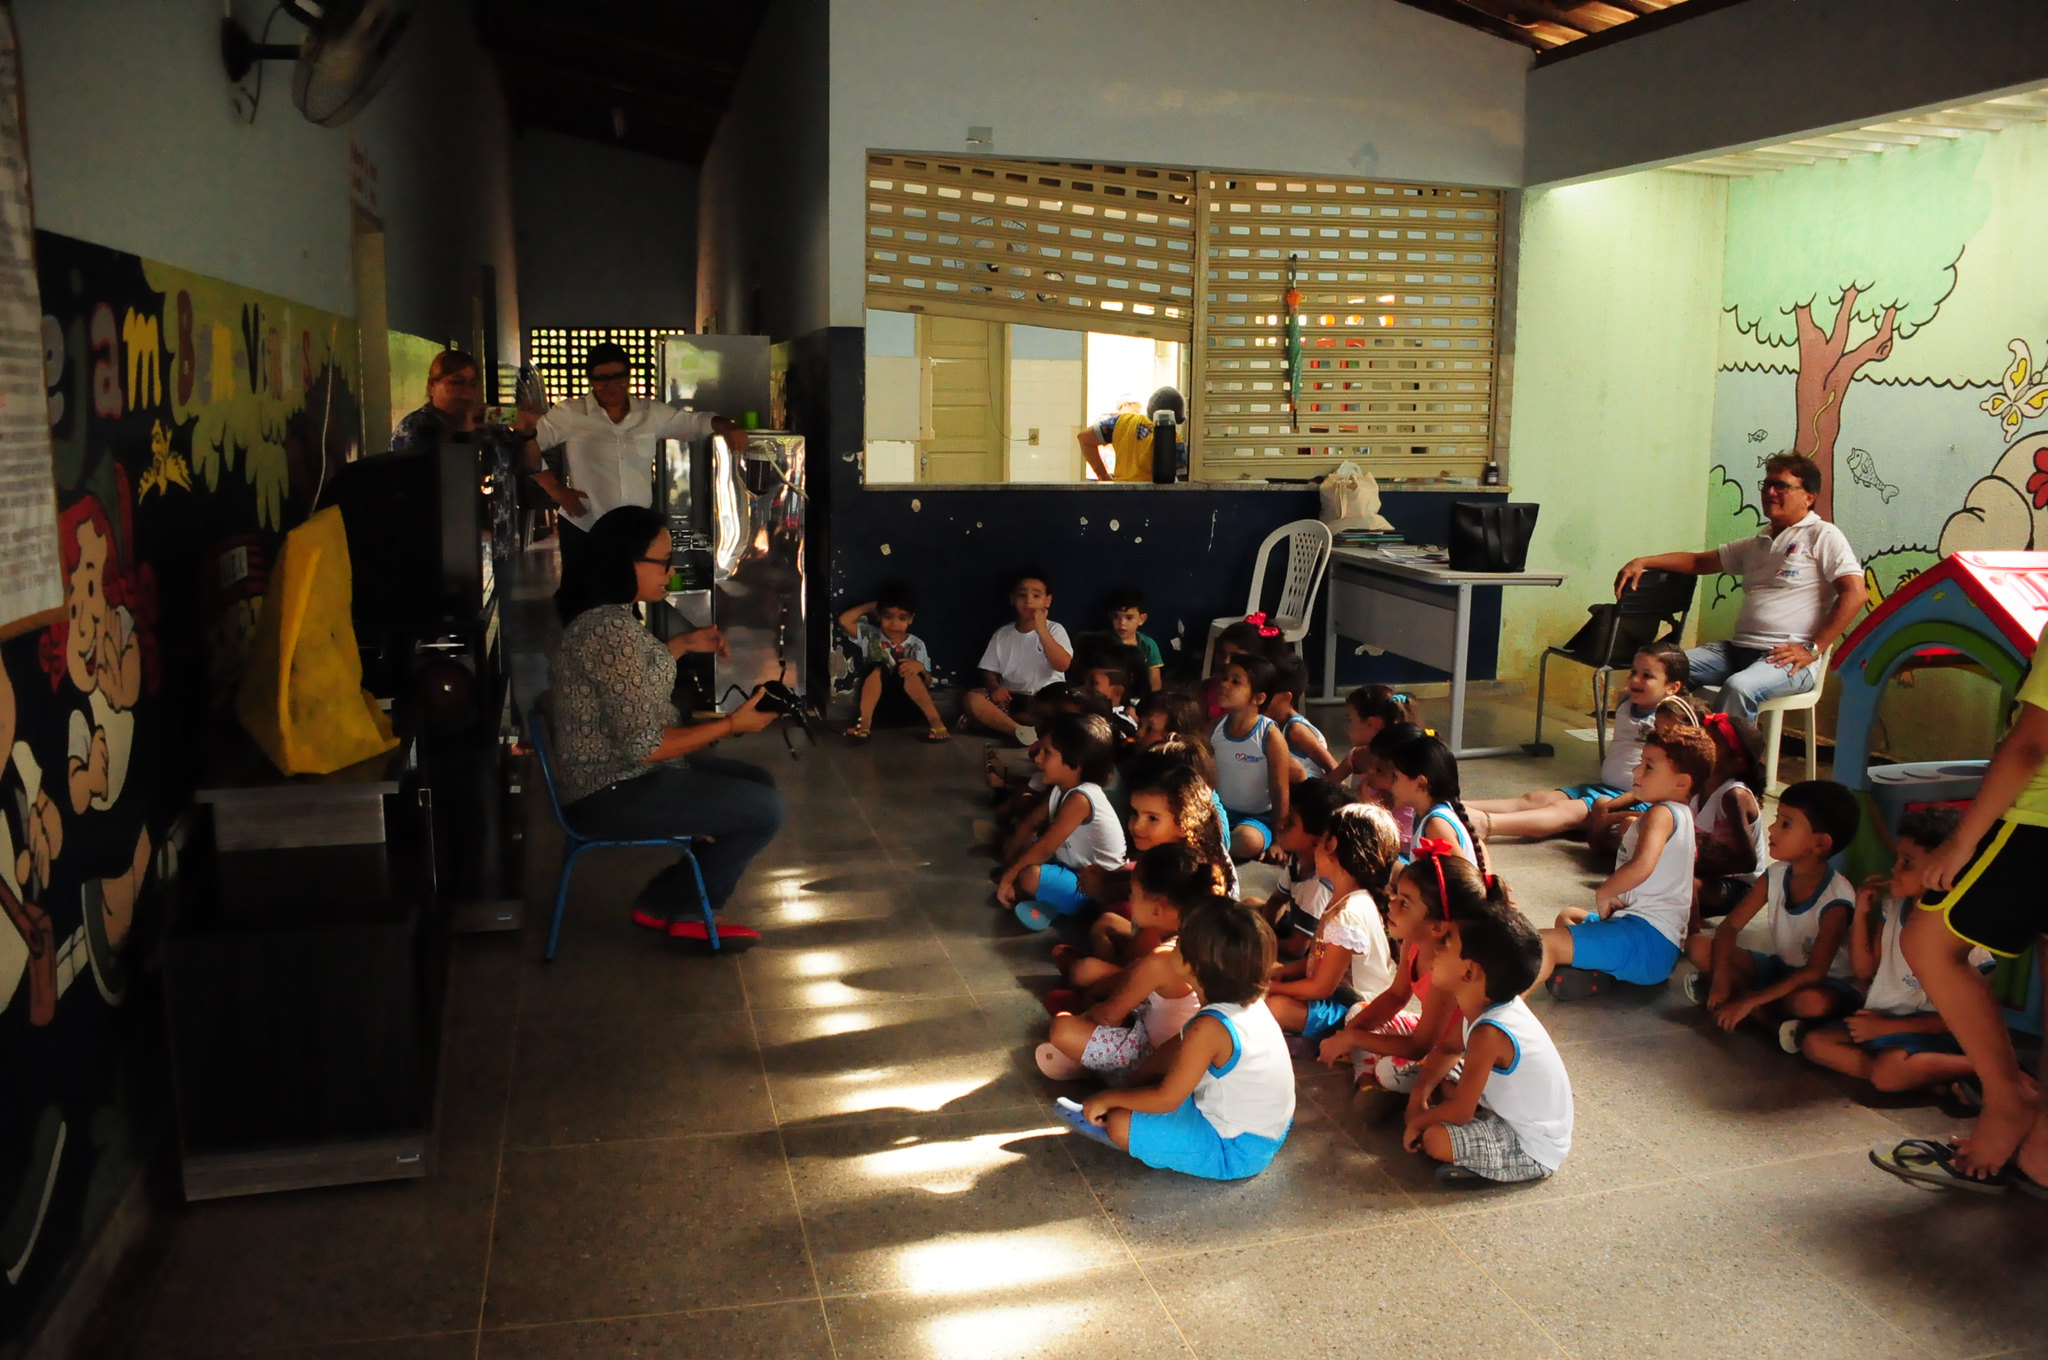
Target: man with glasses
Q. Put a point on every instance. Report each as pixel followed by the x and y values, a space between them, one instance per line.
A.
pixel 1802 589
pixel 609 441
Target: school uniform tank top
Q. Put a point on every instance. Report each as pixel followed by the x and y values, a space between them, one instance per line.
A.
pixel 1098 842
pixel 1458 831
pixel 1712 823
pixel 1252 1092
pixel 1309 769
pixel 1533 1093
pixel 1893 988
pixel 1625 751
pixel 1796 925
pixel 1664 899
pixel 1241 779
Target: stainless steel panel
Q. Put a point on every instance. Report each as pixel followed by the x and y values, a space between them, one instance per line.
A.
pixel 759 515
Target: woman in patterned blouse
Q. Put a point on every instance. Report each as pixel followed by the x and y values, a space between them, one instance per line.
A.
pixel 624 764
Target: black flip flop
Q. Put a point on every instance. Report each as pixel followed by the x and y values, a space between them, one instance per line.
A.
pixel 1461 1177
pixel 1928 1161
pixel 1576 984
pixel 2025 1184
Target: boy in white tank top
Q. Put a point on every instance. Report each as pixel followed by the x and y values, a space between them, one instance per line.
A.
pixel 1636 927
pixel 1897 1041
pixel 1226 1102
pixel 1806 974
pixel 1508 1116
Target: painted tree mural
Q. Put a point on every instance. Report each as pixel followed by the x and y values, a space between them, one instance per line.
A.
pixel 1861 254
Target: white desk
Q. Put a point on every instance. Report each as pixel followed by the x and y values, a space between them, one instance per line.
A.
pixel 1420 610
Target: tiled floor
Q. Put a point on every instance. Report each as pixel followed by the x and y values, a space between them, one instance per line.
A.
pixel 837 1146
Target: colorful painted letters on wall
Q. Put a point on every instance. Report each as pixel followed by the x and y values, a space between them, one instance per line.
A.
pixel 1888 316
pixel 193 423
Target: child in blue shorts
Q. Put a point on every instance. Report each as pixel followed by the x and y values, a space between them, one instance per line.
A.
pixel 1636 927
pixel 1348 962
pixel 1225 1101
pixel 1658 672
pixel 1897 1041
pixel 1806 975
pixel 1074 829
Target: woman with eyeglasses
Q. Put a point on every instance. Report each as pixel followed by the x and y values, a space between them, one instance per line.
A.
pixel 454 402
pixel 625 764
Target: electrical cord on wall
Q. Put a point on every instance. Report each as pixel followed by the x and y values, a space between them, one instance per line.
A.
pixel 256 95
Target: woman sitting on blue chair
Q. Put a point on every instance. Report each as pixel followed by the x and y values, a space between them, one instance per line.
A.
pixel 625 767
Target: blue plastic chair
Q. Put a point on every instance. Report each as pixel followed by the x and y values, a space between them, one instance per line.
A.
pixel 575 842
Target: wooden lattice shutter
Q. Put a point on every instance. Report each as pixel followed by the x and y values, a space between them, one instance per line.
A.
pixel 1041 243
pixel 558 354
pixel 1400 292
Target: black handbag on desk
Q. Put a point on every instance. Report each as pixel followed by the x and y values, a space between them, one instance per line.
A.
pixel 1491 535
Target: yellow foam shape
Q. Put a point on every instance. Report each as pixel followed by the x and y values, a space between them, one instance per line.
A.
pixel 302 695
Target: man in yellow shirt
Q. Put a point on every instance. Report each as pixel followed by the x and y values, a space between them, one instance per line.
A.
pixel 1129 434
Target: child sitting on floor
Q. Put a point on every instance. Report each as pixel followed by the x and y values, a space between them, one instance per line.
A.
pixel 1657 672
pixel 1897 1041
pixel 1508 1116
pixel 1251 757
pixel 1238 639
pixel 1348 962
pixel 1425 782
pixel 1307 754
pixel 1806 975
pixel 1368 711
pixel 1171 803
pixel 1389 1038
pixel 1226 1101
pixel 1108 679
pixel 1171 713
pixel 1378 785
pixel 895 676
pixel 1074 829
pixel 1021 659
pixel 1637 925
pixel 1153 999
pixel 1126 617
pixel 1297 903
pixel 1728 848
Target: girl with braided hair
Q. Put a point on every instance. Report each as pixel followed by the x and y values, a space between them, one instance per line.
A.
pixel 1426 781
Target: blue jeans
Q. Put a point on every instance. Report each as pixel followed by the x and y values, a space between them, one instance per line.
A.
pixel 729 800
pixel 1745 678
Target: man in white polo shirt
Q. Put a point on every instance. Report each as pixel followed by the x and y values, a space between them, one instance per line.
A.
pixel 1802 589
pixel 610 441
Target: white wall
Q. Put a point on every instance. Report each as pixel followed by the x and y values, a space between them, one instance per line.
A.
pixel 761 190
pixel 1360 87
pixel 1769 70
pixel 1614 391
pixel 132 145
pixel 607 237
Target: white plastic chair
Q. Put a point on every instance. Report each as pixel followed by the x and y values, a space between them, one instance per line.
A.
pixel 1771 714
pixel 1308 553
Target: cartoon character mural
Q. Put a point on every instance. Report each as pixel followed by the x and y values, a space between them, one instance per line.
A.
pixel 2006 510
pixel 192 424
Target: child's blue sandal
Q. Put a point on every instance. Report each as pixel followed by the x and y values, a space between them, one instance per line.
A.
pixel 1070 1114
pixel 1034 915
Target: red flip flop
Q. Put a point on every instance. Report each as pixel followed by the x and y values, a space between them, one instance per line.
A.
pixel 1065 956
pixel 1062 1001
pixel 731 939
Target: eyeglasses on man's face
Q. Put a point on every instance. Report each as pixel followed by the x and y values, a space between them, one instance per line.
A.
pixel 609 376
pixel 1782 486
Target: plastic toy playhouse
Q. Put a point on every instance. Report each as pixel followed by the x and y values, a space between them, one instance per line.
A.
pixel 1985 610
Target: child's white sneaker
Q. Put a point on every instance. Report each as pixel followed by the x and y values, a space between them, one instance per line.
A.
pixel 1026 734
pixel 1695 987
pixel 1789 1035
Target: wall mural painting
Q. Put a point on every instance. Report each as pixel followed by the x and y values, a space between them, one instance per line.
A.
pixel 1884 314
pixel 193 423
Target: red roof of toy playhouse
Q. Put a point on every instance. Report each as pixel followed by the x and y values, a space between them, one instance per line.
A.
pixel 2009 588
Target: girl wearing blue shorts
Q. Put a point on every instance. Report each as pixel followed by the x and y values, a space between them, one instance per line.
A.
pixel 1252 764
pixel 1226 1101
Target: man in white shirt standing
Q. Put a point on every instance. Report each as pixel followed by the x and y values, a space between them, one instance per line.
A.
pixel 1802 589
pixel 610 440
